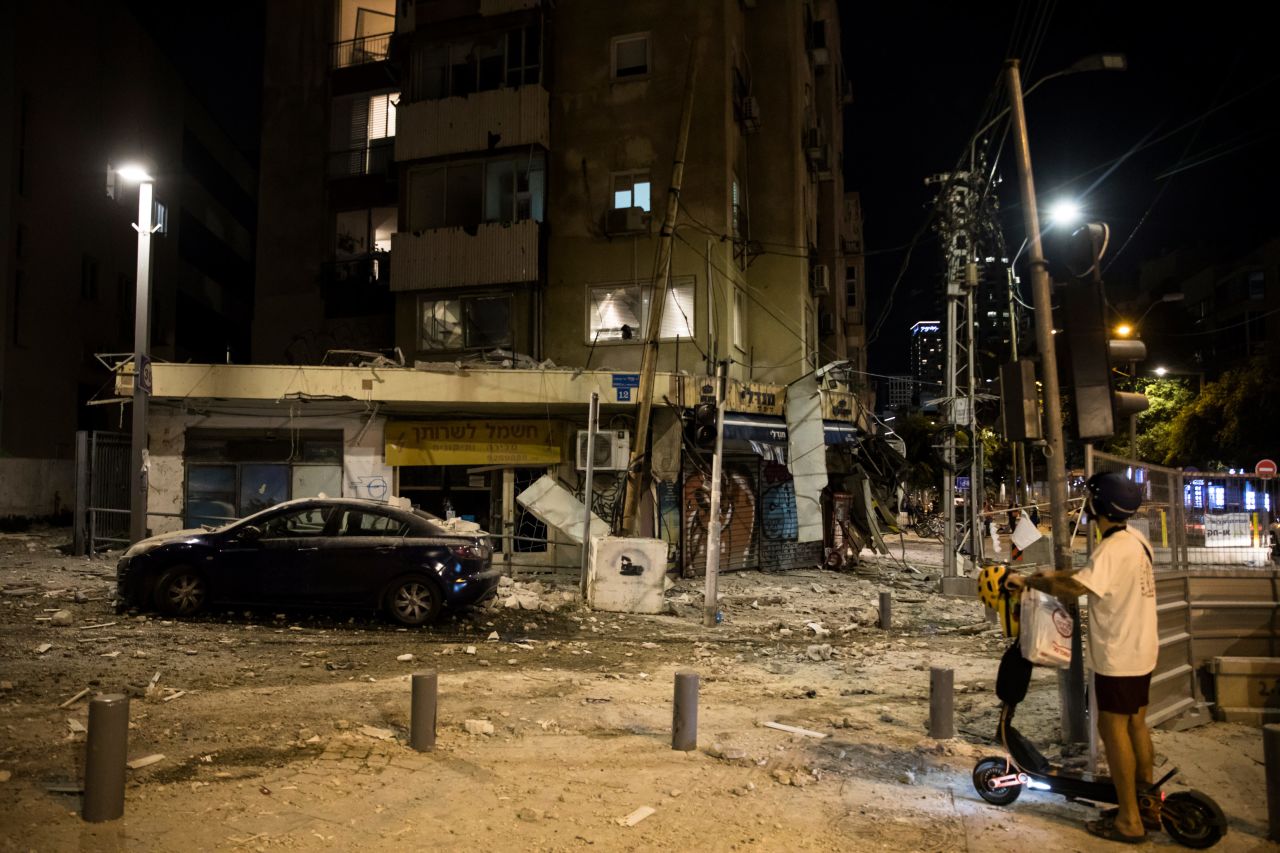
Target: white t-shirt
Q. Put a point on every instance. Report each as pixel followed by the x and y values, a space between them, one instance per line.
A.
pixel 1123 634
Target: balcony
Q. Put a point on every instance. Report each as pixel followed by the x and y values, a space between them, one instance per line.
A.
pixel 357 286
pixel 427 12
pixel 360 51
pixel 457 257
pixel 374 158
pixel 498 118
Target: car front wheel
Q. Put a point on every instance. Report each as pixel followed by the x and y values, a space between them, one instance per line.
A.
pixel 413 602
pixel 181 591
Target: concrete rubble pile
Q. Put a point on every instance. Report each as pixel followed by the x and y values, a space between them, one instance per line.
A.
pixel 531 595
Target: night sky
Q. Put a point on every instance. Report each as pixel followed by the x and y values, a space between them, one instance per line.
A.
pixel 922 74
pixel 923 71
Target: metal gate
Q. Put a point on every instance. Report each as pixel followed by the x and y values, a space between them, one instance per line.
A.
pixel 739 517
pixel 102 490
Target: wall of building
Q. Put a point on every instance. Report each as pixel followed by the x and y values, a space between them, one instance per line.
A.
pixel 365 474
pixel 36 487
pixel 67 279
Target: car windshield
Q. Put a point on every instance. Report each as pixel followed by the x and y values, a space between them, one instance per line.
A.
pixel 248 519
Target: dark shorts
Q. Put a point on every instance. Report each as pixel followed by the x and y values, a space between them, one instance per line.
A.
pixel 1122 694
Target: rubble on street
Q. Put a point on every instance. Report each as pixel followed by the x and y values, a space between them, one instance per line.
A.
pixel 291 730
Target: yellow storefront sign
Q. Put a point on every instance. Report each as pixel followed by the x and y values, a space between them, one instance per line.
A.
pixel 472 443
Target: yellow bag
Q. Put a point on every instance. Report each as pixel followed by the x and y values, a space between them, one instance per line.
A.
pixel 992 591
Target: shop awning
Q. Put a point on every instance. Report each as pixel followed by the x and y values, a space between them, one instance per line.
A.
pixel 766 435
pixel 839 432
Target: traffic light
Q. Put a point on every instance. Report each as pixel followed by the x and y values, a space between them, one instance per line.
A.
pixel 1098 406
pixel 1019 401
pixel 704 426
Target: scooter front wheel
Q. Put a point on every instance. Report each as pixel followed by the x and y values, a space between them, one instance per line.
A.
pixel 987 771
pixel 1193 819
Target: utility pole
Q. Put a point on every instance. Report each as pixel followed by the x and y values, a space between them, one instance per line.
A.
pixel 711 603
pixel 589 488
pixel 141 367
pixel 637 469
pixel 959 381
pixel 1072 692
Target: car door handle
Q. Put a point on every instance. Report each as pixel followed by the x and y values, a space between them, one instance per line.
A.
pixel 384 549
pixel 308 547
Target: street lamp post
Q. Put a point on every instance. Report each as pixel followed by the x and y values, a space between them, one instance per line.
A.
pixel 138 463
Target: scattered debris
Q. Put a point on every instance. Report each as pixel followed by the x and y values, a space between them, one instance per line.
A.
pixel 5 775
pixel 43 647
pixel 406 658
pixel 795 730
pixel 176 694
pixel 478 727
pixel 90 627
pixel 145 761
pixel 471 650
pixel 380 734
pixel 77 727
pixel 61 619
pixel 76 698
pixel 819 653
pixel 636 816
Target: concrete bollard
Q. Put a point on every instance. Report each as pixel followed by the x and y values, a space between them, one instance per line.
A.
pixel 422 712
pixel 941 703
pixel 886 610
pixel 684 715
pixel 106 747
pixel 1271 754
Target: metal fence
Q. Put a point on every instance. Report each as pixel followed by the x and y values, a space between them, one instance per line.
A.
pixel 1217 588
pixel 102 490
pixel 362 50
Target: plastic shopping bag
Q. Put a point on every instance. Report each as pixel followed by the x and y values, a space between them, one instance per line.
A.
pixel 1045 632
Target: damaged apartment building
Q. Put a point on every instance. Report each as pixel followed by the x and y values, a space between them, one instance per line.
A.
pixel 461 204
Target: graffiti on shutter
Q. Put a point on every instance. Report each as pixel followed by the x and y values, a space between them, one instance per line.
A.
pixel 739 530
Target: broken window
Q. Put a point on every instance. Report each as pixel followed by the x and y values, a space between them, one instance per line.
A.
pixel 631 55
pixel 462 195
pixel 620 312
pixel 631 189
pixel 469 322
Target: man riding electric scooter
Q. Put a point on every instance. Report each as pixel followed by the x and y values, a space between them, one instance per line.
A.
pixel 1123 647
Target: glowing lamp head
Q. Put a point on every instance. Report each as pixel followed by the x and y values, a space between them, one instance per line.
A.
pixel 1124 330
pixel 1064 213
pixel 1161 371
pixel 133 173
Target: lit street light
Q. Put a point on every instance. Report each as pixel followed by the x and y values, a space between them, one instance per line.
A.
pixel 136 174
pixel 1064 213
pixel 1124 330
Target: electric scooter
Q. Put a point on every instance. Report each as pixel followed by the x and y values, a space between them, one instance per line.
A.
pixel 1191 818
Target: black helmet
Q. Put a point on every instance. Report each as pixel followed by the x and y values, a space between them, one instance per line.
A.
pixel 1112 496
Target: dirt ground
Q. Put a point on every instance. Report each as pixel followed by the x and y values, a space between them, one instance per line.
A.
pixel 289 731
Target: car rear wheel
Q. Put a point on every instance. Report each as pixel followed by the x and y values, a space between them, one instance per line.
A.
pixel 181 591
pixel 413 601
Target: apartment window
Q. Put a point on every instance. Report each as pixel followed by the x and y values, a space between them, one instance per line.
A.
pixel 1257 284
pixel 620 311
pixel 740 319
pixel 850 286
pixel 88 278
pixel 462 195
pixel 459 68
pixel 463 323
pixel 360 232
pixel 630 56
pixel 361 134
pixel 632 189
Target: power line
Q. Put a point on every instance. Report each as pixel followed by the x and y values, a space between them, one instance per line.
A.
pixel 1219 329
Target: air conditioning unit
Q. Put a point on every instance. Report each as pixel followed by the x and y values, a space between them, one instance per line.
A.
pixel 626 220
pixel 612 450
pixel 820 280
pixel 750 114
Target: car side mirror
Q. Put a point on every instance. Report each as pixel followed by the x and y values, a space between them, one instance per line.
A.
pixel 249 533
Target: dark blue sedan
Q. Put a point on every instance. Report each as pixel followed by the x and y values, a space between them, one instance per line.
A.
pixel 320 552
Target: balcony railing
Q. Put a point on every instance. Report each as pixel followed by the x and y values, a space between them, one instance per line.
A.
pixel 498 118
pixel 360 51
pixel 373 158
pixel 357 286
pixel 491 253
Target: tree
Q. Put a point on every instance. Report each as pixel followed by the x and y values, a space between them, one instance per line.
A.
pixel 1168 398
pixel 1231 423
pixel 923 468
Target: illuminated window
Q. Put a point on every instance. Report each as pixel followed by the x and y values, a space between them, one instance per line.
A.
pixel 631 189
pixel 620 312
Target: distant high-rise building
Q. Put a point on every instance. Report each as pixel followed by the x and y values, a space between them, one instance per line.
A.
pixel 926 357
